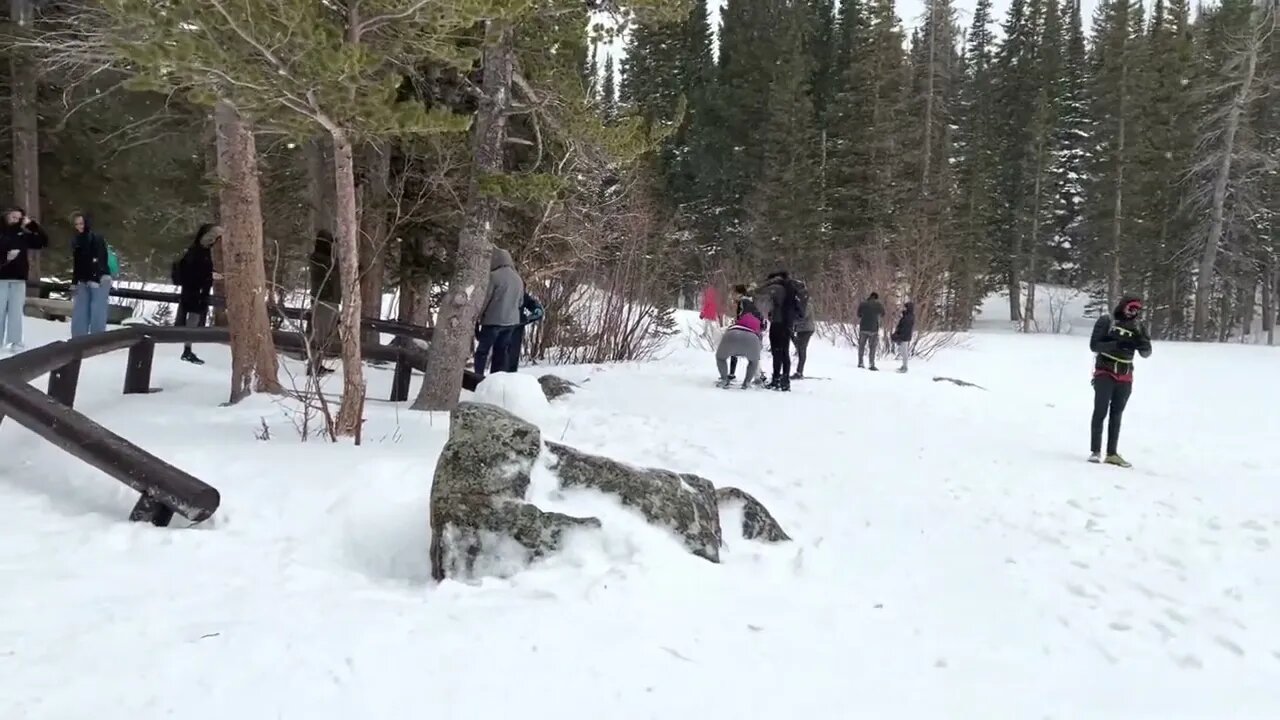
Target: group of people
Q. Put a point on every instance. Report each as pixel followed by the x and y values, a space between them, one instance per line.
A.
pixel 507 310
pixel 93 266
pixel 780 307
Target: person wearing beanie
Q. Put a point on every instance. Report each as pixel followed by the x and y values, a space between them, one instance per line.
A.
pixel 1114 341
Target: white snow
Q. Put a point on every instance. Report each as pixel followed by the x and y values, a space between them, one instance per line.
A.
pixel 954 555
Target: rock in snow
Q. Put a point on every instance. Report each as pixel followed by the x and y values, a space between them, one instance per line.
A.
pixel 685 504
pixel 481 523
pixel 477 495
pixel 554 386
pixel 757 522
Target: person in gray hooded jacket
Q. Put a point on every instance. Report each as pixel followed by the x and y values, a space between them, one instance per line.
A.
pixel 500 314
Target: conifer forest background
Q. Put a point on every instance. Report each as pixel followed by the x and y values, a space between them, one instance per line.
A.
pixel 938 159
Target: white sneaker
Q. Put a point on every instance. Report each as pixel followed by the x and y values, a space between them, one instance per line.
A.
pixel 1095 457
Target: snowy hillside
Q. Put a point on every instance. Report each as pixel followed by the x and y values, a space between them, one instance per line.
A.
pixel 954 555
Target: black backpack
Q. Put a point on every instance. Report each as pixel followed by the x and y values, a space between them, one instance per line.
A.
pixel 175 271
pixel 797 300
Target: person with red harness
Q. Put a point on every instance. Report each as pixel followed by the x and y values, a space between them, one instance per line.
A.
pixel 1114 341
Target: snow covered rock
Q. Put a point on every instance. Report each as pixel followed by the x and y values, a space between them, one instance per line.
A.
pixel 757 522
pixel 479 520
pixel 554 386
pixel 519 394
pixel 685 504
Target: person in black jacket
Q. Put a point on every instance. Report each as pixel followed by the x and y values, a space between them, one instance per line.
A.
pixel 91 280
pixel 1114 341
pixel 18 234
pixel 903 332
pixel 195 275
pixel 784 311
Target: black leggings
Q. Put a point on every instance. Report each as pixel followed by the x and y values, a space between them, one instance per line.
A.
pixel 1109 396
pixel 802 350
pixel 780 346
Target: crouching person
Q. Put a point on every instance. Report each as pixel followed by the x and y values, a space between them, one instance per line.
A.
pixel 740 341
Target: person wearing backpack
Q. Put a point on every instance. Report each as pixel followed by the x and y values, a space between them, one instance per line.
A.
pixel 1115 339
pixel 804 329
pixel 782 296
pixel 90 278
pixel 193 274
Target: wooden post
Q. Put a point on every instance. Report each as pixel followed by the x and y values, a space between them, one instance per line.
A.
pixel 137 373
pixel 402 378
pixel 63 382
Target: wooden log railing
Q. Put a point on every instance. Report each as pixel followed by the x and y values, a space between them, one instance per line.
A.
pixel 165 490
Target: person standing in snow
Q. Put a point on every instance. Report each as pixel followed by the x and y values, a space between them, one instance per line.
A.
pixel 804 329
pixel 710 311
pixel 903 332
pixel 90 278
pixel 531 311
pixel 326 300
pixel 740 340
pixel 500 314
pixel 782 298
pixel 194 274
pixel 1115 339
pixel 870 311
pixel 18 235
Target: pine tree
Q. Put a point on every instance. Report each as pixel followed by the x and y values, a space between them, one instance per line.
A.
pixel 1071 151
pixel 608 95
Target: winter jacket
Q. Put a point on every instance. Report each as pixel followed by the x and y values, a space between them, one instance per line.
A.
pixel 747 305
pixel 21 239
pixel 777 301
pixel 326 280
pixel 906 324
pixel 748 322
pixel 506 292
pixel 531 311
pixel 710 306
pixel 195 270
pixel 1115 339
pixel 88 256
pixel 869 313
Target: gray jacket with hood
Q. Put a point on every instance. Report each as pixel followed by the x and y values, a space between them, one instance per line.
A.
pixel 506 291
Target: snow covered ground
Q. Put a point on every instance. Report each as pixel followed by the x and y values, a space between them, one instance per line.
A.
pixel 955 557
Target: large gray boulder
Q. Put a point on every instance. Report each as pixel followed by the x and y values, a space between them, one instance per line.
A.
pixel 478 512
pixel 685 504
pixel 757 522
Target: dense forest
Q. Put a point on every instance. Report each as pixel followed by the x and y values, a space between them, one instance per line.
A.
pixel 933 160
pixel 1133 151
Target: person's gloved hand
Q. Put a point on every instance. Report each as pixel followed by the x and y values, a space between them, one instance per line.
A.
pixel 11 255
pixel 1128 342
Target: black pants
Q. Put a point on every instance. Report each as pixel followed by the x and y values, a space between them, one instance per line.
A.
pixel 491 348
pixel 780 347
pixel 802 350
pixel 1109 397
pixel 191 316
pixel 515 344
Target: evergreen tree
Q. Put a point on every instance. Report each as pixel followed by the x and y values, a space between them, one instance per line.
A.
pixel 608 93
pixel 1071 151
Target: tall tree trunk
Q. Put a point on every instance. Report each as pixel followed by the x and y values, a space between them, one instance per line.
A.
pixel 212 183
pixel 375 194
pixel 26 140
pixel 451 344
pixel 321 186
pixel 1269 290
pixel 1029 315
pixel 254 366
pixel 347 244
pixel 1221 180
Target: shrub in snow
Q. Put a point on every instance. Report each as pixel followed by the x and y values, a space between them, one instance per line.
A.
pixel 479 520
pixel 521 395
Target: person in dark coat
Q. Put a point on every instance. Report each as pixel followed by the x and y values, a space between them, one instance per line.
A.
pixel 903 332
pixel 870 311
pixel 531 311
pixel 90 278
pixel 326 298
pixel 804 329
pixel 195 276
pixel 1114 341
pixel 18 234
pixel 784 310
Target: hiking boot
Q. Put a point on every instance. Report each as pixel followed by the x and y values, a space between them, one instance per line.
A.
pixel 873 368
pixel 1114 459
pixel 798 376
pixel 190 357
pixel 724 382
pixel 1095 458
